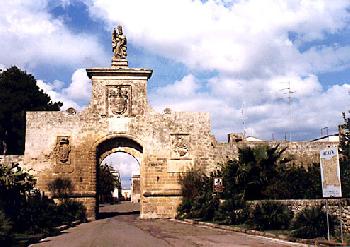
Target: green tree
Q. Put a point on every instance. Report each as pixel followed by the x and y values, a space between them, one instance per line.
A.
pixel 344 151
pixel 107 181
pixel 257 168
pixel 25 210
pixel 19 93
pixel 198 200
pixel 295 182
pixel 15 184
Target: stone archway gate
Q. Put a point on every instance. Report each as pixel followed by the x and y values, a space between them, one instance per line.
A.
pixel 70 143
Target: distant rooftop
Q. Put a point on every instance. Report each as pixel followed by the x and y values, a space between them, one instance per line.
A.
pixel 327 138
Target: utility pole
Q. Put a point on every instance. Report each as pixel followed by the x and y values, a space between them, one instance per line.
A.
pixel 324 131
pixel 243 119
pixel 289 92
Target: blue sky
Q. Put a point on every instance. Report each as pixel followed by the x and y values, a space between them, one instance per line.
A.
pixel 231 59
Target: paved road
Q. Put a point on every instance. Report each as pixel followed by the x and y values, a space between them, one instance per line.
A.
pixel 128 230
pixel 122 208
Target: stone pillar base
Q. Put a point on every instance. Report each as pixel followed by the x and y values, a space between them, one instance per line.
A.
pixel 119 63
pixel 154 207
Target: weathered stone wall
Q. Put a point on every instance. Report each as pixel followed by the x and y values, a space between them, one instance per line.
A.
pixel 71 144
pixel 135 189
pixel 333 207
pixel 303 153
pixel 9 159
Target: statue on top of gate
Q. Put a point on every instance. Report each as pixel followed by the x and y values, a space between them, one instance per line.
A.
pixel 119 43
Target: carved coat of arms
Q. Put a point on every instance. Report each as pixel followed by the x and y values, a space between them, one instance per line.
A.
pixel 62 150
pixel 118 101
pixel 180 145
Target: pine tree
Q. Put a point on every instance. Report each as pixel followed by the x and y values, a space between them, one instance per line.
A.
pixel 19 93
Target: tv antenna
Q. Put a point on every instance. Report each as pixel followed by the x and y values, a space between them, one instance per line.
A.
pixel 243 119
pixel 289 92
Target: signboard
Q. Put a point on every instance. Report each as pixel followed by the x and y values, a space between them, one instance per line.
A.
pixel 217 185
pixel 330 172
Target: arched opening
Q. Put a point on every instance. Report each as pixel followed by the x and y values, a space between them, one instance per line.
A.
pixel 118 166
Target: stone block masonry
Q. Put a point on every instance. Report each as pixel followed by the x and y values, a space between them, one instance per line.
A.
pixel 72 144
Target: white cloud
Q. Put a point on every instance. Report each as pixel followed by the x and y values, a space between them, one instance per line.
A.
pixel 256 47
pixel 265 108
pixel 124 163
pixel 247 43
pixel 186 87
pixel 30 37
pixel 327 58
pixel 249 37
pixel 77 94
pixel 80 88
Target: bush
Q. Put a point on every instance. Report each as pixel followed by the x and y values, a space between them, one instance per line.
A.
pixel 5 229
pixel 60 187
pixel 191 184
pixel 198 200
pixel 69 211
pixel 231 212
pixel 295 182
pixel 37 215
pixel 184 209
pixel 270 216
pixel 311 222
pixel 24 210
pixel 204 207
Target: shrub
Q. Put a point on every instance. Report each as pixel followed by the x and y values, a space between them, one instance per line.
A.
pixel 204 207
pixel 184 209
pixel 198 200
pixel 37 215
pixel 191 184
pixel 25 210
pixel 5 229
pixel 15 184
pixel 311 222
pixel 69 211
pixel 295 182
pixel 60 187
pixel 270 216
pixel 231 212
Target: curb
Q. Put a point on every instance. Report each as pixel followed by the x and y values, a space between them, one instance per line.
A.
pixel 259 233
pixel 65 227
pixel 60 229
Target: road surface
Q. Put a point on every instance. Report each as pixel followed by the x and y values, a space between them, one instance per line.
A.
pixel 129 230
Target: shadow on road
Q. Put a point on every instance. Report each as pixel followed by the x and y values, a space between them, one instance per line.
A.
pixel 105 215
pixel 122 208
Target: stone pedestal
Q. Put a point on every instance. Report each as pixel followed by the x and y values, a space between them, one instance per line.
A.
pixel 119 92
pixel 119 63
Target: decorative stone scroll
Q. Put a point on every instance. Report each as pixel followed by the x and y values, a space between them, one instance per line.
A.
pixel 180 145
pixel 118 100
pixel 71 111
